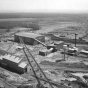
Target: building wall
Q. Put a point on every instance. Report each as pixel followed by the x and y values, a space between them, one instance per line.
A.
pixel 21 70
pixel 16 38
pixel 29 41
pixel 11 65
pixel 14 66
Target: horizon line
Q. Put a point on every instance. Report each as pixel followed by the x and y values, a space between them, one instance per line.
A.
pixel 46 12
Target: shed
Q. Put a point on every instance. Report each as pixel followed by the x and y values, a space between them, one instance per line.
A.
pixel 43 52
pixel 29 38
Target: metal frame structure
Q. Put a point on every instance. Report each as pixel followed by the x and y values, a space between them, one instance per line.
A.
pixel 33 67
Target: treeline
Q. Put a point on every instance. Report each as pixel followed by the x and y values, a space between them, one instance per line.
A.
pixel 12 24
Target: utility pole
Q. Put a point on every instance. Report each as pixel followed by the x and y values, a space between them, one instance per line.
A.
pixel 64 54
pixel 64 48
pixel 75 38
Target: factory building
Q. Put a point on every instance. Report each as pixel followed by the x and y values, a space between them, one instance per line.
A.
pixel 13 63
pixel 29 38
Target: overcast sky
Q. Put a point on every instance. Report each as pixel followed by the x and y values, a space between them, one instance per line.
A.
pixel 76 6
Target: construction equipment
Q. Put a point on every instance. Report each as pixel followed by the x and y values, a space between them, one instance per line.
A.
pixel 35 65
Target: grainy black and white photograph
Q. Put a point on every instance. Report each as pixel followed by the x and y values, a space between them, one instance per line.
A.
pixel 43 43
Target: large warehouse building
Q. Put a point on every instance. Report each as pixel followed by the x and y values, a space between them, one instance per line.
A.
pixel 29 38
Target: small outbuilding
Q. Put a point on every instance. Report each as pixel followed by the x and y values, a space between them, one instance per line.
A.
pixel 45 52
pixel 29 38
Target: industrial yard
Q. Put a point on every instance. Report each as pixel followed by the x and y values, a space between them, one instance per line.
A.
pixel 55 56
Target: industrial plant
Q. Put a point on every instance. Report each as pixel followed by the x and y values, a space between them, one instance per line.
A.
pixel 52 54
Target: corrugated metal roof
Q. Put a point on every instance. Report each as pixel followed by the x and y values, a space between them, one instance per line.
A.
pixel 12 58
pixel 25 34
